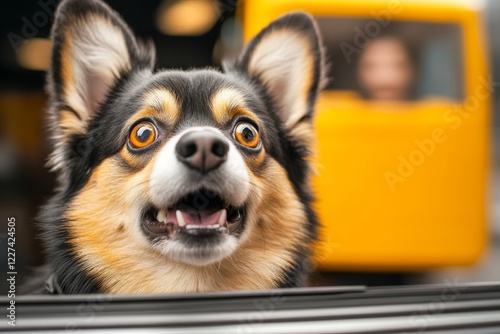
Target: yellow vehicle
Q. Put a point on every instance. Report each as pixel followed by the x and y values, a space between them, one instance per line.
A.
pixel 401 185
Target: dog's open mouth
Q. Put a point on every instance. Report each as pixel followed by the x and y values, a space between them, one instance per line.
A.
pixel 198 213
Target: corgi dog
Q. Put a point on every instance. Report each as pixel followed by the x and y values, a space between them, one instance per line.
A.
pixel 176 181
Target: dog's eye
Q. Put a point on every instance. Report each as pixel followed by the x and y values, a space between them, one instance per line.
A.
pixel 246 134
pixel 142 135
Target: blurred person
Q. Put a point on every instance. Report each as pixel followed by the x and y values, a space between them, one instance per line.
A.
pixel 386 70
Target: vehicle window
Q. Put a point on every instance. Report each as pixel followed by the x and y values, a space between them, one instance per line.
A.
pixel 394 60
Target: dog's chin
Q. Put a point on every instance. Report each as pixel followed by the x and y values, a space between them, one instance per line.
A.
pixel 199 229
pixel 199 254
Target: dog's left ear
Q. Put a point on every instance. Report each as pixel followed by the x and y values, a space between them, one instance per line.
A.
pixel 93 49
pixel 287 59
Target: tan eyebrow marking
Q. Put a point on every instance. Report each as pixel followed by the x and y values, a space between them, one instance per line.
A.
pixel 161 103
pixel 227 103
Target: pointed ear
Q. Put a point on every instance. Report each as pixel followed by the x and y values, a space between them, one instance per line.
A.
pixel 287 59
pixel 92 49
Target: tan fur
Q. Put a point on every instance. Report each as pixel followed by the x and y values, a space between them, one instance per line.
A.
pixel 132 160
pixel 255 161
pixel 67 122
pixel 74 70
pixel 306 80
pixel 70 83
pixel 283 58
pixel 97 48
pixel 228 103
pixel 107 40
pixel 103 219
pixel 104 229
pixel 161 103
pixel 66 66
pixel 70 124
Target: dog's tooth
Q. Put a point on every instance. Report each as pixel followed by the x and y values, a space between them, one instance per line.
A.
pixel 180 219
pixel 223 217
pixel 161 216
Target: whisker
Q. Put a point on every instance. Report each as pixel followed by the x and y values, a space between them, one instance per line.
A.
pixel 139 184
pixel 257 194
pixel 256 185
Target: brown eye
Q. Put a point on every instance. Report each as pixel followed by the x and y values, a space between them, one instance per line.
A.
pixel 247 135
pixel 142 135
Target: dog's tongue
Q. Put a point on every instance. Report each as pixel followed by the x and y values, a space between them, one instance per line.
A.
pixel 202 218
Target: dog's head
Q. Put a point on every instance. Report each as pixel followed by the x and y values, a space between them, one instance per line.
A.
pixel 182 167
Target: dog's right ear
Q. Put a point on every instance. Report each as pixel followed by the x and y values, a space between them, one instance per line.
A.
pixel 92 50
pixel 286 59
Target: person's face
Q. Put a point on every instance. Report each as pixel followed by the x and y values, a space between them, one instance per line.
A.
pixel 385 70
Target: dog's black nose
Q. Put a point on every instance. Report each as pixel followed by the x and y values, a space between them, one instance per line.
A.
pixel 202 150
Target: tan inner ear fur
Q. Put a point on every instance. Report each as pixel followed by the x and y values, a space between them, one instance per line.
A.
pixel 103 224
pixel 92 47
pixel 284 63
pixel 99 50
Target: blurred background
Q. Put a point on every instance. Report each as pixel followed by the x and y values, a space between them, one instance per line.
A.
pixel 406 62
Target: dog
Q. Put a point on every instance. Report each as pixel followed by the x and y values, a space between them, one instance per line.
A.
pixel 176 181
